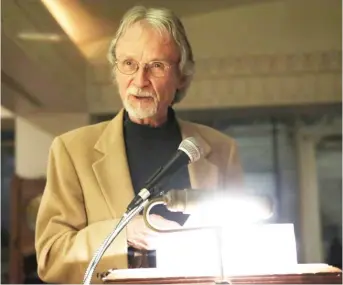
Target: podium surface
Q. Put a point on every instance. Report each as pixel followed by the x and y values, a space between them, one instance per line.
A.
pixel 299 274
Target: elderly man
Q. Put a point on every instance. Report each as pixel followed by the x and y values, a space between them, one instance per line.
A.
pixel 95 171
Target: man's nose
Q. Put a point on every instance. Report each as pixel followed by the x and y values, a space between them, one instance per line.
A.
pixel 141 77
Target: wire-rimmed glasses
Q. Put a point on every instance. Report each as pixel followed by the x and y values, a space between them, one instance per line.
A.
pixel 155 68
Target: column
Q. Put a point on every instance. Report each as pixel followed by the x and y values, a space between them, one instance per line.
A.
pixel 310 221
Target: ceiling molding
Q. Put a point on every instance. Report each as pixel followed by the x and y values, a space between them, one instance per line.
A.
pixel 242 81
pixel 216 68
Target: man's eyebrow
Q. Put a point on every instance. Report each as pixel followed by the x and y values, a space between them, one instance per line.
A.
pixel 125 56
pixel 131 56
pixel 166 60
pixel 159 59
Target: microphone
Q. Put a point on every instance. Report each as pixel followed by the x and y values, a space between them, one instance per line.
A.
pixel 235 203
pixel 188 151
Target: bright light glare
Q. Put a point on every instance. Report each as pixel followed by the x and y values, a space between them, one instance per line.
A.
pixel 232 210
pixel 259 248
pixel 255 249
pixel 189 253
pixel 242 209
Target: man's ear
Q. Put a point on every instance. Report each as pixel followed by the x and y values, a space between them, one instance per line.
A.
pixel 182 82
pixel 173 102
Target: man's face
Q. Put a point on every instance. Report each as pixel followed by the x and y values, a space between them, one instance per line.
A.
pixel 143 94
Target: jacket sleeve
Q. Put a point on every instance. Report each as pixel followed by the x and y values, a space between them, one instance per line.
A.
pixel 233 171
pixel 65 243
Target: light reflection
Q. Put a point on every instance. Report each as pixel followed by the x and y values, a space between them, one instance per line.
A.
pixel 254 249
pixel 42 37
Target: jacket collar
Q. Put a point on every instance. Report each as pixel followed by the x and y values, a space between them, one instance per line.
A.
pixel 112 171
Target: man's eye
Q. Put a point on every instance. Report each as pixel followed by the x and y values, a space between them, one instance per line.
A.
pixel 157 65
pixel 128 62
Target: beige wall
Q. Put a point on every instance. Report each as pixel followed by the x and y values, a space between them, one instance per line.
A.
pixel 272 27
pixel 33 137
pixel 31 148
pixel 272 53
pixel 58 123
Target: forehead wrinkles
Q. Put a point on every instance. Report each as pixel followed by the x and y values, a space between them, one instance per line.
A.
pixel 141 38
pixel 144 27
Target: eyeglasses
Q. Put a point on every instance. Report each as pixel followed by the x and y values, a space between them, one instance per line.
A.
pixel 130 66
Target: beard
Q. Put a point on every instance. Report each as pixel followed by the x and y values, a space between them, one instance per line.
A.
pixel 140 109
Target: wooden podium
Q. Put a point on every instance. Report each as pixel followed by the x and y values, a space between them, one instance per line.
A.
pixel 300 274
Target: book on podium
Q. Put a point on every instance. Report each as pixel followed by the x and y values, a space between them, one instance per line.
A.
pixel 258 254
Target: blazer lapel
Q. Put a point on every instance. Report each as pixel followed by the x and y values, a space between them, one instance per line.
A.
pixel 111 170
pixel 203 173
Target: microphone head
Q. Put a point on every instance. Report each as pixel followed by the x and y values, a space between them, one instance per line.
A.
pixel 192 148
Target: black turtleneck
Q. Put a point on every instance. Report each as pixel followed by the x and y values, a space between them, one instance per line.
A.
pixel 149 148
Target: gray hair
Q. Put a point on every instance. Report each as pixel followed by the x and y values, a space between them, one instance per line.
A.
pixel 163 20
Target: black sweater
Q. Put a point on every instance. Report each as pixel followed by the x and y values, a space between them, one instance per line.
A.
pixel 149 148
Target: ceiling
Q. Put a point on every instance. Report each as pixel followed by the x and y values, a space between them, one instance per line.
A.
pixel 113 10
pixel 47 46
pixel 36 74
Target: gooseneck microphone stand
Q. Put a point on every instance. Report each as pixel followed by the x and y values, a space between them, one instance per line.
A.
pixel 126 218
pixel 189 151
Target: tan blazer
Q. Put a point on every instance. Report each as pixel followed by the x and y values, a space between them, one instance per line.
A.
pixel 89 187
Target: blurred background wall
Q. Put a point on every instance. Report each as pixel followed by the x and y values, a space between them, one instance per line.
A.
pixel 268 73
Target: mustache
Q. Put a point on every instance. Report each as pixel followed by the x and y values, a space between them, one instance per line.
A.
pixel 139 92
